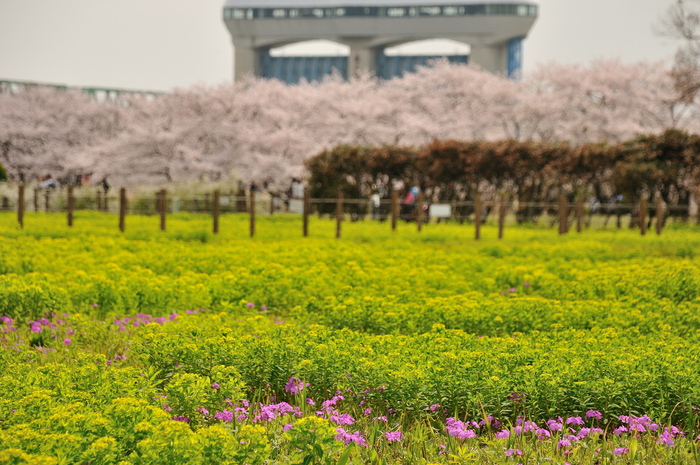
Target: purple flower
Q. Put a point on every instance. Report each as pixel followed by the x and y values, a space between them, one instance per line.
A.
pixel 396 436
pixel 458 429
pixel 666 438
pixel 382 418
pixel 368 411
pixel 574 421
pixel 295 385
pixel 250 304
pixel 594 414
pixel 344 419
pixel 264 307
pixel 526 284
pixel 225 416
pixel 434 407
pixel 66 342
pixel 503 434
pixel 287 427
pixel 181 418
pixel 621 450
pixel 510 452
pixel 554 425
pixel 563 443
pixel 203 411
pixel 95 305
pixel 620 430
pixel 511 290
pixel 215 386
pixel 347 438
pixel 310 401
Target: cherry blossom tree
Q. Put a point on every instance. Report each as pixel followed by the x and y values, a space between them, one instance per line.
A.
pixel 44 130
pixel 263 130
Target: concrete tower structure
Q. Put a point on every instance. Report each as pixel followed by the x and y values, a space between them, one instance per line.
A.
pixel 494 30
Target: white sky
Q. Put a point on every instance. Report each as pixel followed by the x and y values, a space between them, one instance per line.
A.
pixel 162 44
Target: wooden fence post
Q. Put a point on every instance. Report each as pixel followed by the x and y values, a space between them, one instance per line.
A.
pixel 419 215
pixel 47 204
pixel 643 215
pixel 252 213
pixel 215 212
pixel 563 215
pixel 338 215
pixel 122 208
pixel 659 215
pixel 163 207
pixel 71 206
pixel 394 209
pixel 307 202
pixel 477 216
pixel 579 215
pixel 501 216
pixel 241 201
pixel 106 202
pixel 98 193
pixel 36 199
pixel 20 206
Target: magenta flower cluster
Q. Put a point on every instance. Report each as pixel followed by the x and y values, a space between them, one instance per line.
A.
pixel 261 412
pixel 568 431
pixel 347 438
pixel 194 312
pixel 142 319
pixel 295 385
pixel 38 325
pixel 461 430
pixel 6 325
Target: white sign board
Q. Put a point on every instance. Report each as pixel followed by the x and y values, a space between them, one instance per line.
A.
pixel 296 205
pixel 440 210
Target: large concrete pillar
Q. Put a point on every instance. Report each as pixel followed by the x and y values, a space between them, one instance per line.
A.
pixel 246 60
pixel 492 58
pixel 361 57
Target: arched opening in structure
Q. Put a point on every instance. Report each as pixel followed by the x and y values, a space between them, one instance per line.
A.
pixel 406 57
pixel 439 47
pixel 311 60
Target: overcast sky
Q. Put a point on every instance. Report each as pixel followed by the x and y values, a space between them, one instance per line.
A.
pixel 162 44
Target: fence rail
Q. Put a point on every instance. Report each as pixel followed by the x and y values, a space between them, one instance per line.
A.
pixel 477 211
